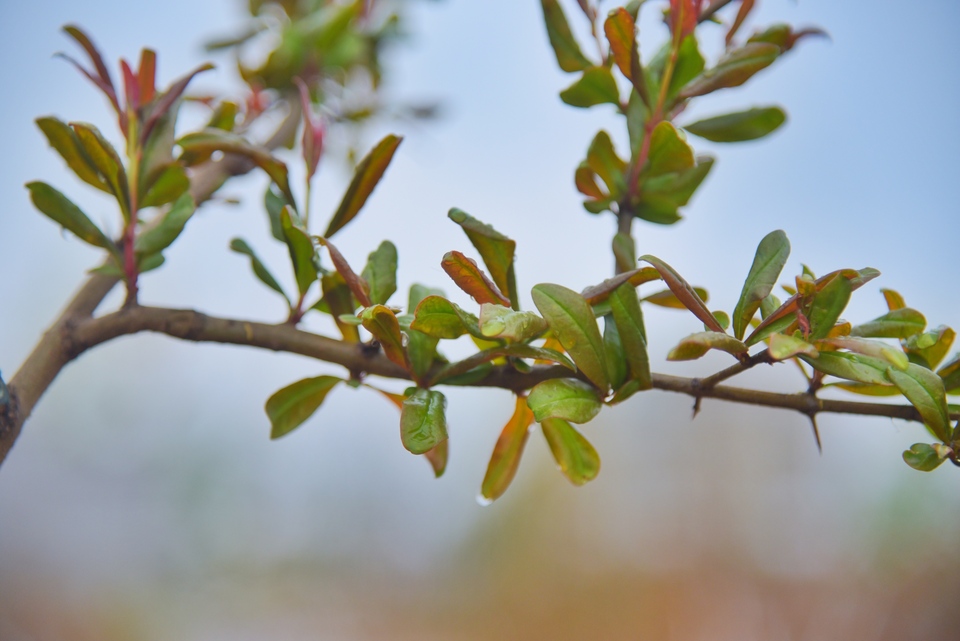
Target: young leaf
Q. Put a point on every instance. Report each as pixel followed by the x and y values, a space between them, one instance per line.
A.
pixel 616 360
pixel 471 279
pixel 438 317
pixel 574 454
pixel 629 319
pixel 291 406
pixel 783 347
pixel 621 31
pixel 64 140
pixel 62 211
pixel 684 292
pixel 365 178
pixel 107 162
pixel 241 247
pixel 568 53
pixel 574 325
pixel 902 322
pixel 569 399
pixel 207 141
pixel 739 126
pixel 338 301
pixel 437 457
pixel 696 345
pixel 827 306
pixel 357 285
pixel 423 422
pixel 161 235
pixel 950 373
pixel 497 321
pixel 853 367
pixel 636 277
pixel 380 272
pixel 507 452
pixel 421 350
pixel 929 348
pixel 877 349
pixel 417 293
pixel 602 158
pixel 102 77
pixel 734 69
pixel 495 249
pixel 924 457
pixel 301 251
pixel 668 151
pixel 661 196
pixel 382 323
pixel 893 299
pixel 924 390
pixel 169 183
pixel 768 262
pixel 595 87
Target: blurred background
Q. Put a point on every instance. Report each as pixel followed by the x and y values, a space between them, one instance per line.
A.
pixel 145 501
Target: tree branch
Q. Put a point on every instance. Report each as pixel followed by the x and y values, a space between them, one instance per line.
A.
pixel 54 351
pixel 195 326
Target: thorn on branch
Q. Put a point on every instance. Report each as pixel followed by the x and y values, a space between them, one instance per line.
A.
pixel 816 431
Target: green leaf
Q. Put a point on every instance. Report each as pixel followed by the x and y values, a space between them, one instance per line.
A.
pixel 301 250
pixel 273 204
pixel 853 367
pixel 438 317
pixel 768 262
pixel 419 292
pixel 629 319
pixel 106 161
pixel 597 293
pixel 669 152
pixel 365 178
pixel 734 69
pixel 382 323
pixel 899 323
pixel 471 279
pixel 507 452
pixel 783 347
pixel 602 158
pixel 168 185
pixel 64 140
pixel 661 196
pixel 668 299
pixel 924 390
pixel 421 350
pixel 865 389
pixel 380 272
pixel 497 321
pixel 574 454
pixel 924 457
pixel 595 87
pixel 160 235
pixel 574 325
pixel 259 269
pixel 569 399
pixel 616 360
pixel 523 350
pixel 688 66
pixel 929 348
pixel 291 406
pixel 62 211
pixel 684 292
pixel 565 46
pixel 496 251
pixel 739 126
pixel 877 349
pixel 423 423
pixel 207 141
pixel 950 373
pixel 696 345
pixel 827 306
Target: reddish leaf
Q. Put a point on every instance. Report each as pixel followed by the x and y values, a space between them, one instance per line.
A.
pixel 684 293
pixel 507 452
pixel 365 179
pixel 147 75
pixel 357 285
pixel 471 279
pixel 382 323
